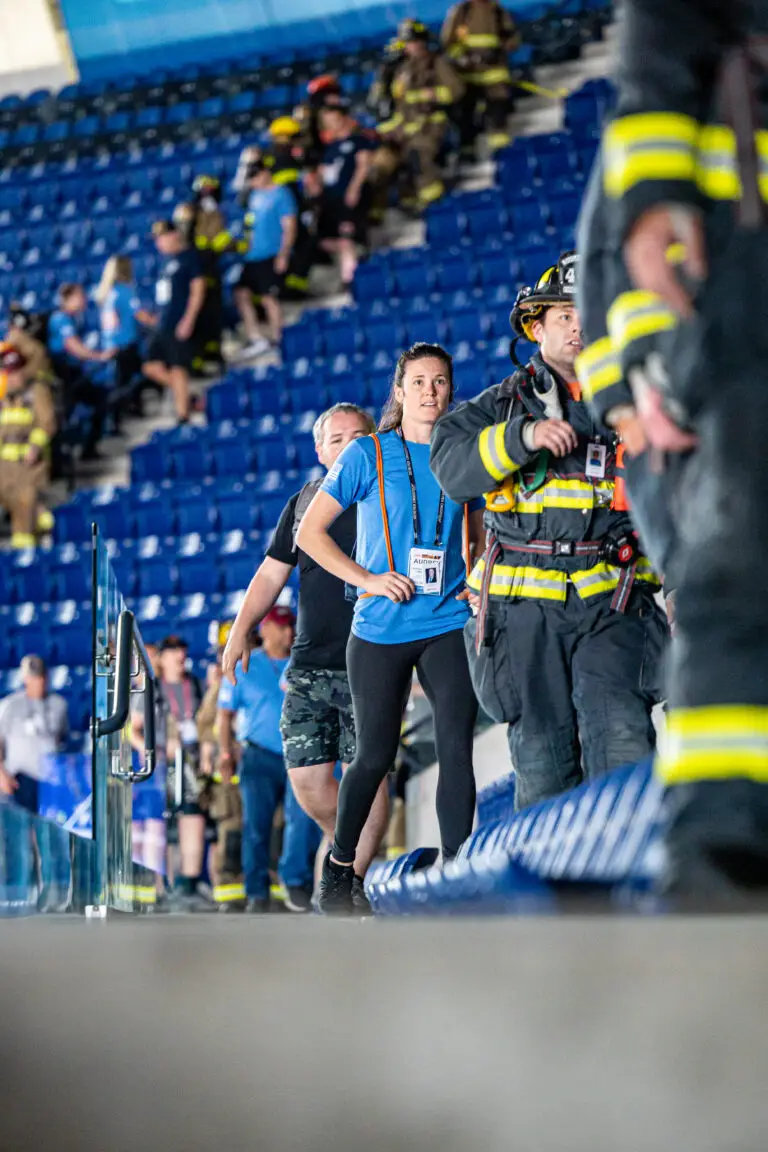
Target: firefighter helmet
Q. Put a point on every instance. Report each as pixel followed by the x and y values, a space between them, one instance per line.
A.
pixel 284 126
pixel 556 286
pixel 323 85
pixel 410 30
pixel 206 185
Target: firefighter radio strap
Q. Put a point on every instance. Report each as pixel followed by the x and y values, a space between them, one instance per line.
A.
pixel 426 565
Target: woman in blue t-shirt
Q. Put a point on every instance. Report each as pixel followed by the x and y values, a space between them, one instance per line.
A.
pixel 411 609
pixel 121 315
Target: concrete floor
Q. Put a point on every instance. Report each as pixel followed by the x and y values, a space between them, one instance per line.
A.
pixel 289 1034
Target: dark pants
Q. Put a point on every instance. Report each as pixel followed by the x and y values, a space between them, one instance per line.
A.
pixel 263 786
pixel 210 323
pixel 379 679
pixel 80 389
pixel 34 854
pixel 717 754
pixel 576 682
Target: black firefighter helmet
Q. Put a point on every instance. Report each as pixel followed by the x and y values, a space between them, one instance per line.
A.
pixel 409 30
pixel 556 286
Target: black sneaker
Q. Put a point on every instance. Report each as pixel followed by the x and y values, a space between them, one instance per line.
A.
pixel 296 899
pixel 257 906
pixel 359 898
pixel 334 897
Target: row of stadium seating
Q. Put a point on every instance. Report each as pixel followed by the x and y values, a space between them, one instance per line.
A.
pixel 603 838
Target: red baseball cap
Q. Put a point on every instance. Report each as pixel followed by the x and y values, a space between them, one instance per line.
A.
pixel 280 615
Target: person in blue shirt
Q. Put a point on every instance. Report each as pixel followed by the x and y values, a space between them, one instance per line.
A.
pixel 409 570
pixel 71 357
pixel 121 317
pixel 272 223
pixel 256 695
pixel 179 295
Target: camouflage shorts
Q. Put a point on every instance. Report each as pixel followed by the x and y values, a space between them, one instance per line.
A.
pixel 317 723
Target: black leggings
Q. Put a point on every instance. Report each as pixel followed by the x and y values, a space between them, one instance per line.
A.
pixel 379 676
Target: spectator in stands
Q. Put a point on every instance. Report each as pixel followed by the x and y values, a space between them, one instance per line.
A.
pixel 322 92
pixel 206 230
pixel 33 725
pixel 478 36
pixel 27 424
pixel 71 357
pixel 272 223
pixel 343 223
pixel 256 694
pixel 179 294
pixel 287 159
pixel 425 86
pixel 180 698
pixel 121 315
pixel 403 620
pixel 317 723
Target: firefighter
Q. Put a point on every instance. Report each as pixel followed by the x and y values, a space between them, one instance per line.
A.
pixel 380 99
pixel 286 159
pixel 205 227
pixel 322 92
pixel 27 423
pixel 683 164
pixel 220 797
pixel 478 36
pixel 567 643
pixel 424 88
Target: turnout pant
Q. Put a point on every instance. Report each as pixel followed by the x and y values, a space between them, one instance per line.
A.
pixel 715 757
pixel 264 785
pixel 575 682
pixel 20 488
pixel 496 100
pixel 420 152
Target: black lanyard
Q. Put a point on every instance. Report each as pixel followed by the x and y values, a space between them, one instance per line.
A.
pixel 415 500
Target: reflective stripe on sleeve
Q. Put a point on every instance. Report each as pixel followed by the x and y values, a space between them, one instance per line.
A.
pixel 649 146
pixel 493 453
pixel 597 367
pixel 635 315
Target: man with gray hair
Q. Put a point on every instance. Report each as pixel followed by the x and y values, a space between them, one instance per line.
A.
pixel 317 722
pixel 33 725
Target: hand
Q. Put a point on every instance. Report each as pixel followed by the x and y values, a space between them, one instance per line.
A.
pixel 281 264
pixel 556 435
pixel 632 433
pixel 185 328
pixel 106 356
pixel 33 455
pixel 225 767
pixel 212 675
pixel 237 650
pixel 645 252
pixel 8 783
pixel 471 597
pixel 660 430
pixel 352 197
pixel 392 585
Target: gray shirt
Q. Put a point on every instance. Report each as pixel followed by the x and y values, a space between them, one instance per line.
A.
pixel 30 730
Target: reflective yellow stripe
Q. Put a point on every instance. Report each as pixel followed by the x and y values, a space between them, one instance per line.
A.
pixel 493 453
pixel 22 416
pixel 649 146
pixel 13 452
pixel 23 540
pixel 515 581
pixel 432 192
pixel 438 118
pixel 498 140
pixel 481 40
pixel 414 126
pixel 719 742
pixel 287 176
pixel 38 437
pixel 419 96
pixel 443 94
pixel 489 76
pixel 597 367
pixel 390 125
pixel 228 893
pixel 578 495
pixel 45 520
pixel 201 242
pixel 221 241
pixel 634 315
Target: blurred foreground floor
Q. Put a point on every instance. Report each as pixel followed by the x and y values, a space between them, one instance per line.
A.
pixel 295 1033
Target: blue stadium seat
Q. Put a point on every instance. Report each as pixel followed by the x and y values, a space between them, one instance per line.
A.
pixel 467 326
pixel 190 461
pixel 413 280
pixel 238 512
pixel 156 577
pixel 271 454
pixel 72 645
pixel 71 583
pixel 454 273
pixel 226 402
pixel 237 571
pixel 155 519
pixel 197 574
pixel 196 517
pixel 233 458
pixel 384 336
pixel 372 282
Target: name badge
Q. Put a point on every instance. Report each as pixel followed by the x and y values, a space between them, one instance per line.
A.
pixel 188 732
pixel 596 457
pixel 426 567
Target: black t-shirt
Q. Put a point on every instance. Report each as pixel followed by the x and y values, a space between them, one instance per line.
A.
pixel 173 284
pixel 340 161
pixel 325 615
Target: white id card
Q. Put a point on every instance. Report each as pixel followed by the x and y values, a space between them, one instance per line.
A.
pixel 162 292
pixel 425 568
pixel 596 455
pixel 188 732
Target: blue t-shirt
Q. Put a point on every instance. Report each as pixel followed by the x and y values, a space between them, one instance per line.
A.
pixel 119 327
pixel 353 480
pixel 258 697
pixel 340 161
pixel 266 209
pixel 61 326
pixel 172 290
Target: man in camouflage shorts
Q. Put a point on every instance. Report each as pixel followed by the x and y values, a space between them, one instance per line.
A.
pixel 317 723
